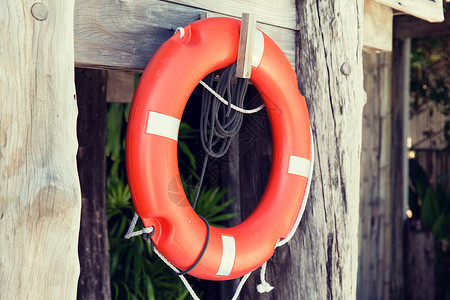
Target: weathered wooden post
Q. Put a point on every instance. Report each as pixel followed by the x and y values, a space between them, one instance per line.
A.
pixel 39 187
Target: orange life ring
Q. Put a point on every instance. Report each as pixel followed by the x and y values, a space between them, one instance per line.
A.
pixel 151 151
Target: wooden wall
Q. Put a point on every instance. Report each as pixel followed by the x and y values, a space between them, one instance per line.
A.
pixel 374 231
pixel 125 34
pixel 426 128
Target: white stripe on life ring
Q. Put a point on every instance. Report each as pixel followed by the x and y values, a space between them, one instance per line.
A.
pixel 162 125
pixel 299 166
pixel 228 256
pixel 258 48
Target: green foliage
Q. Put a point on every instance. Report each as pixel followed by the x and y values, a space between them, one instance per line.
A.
pixel 430 92
pixel 136 272
pixel 432 206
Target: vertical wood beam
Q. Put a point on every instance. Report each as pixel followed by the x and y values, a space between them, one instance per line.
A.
pixel 399 175
pixel 39 187
pixel 94 280
pixel 376 198
pixel 246 43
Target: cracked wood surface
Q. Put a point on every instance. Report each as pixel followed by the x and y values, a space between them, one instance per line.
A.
pixel 123 35
pixel 39 188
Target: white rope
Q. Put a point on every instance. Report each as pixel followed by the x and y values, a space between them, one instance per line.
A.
pixel 305 199
pixel 264 286
pixel 181 30
pixel 240 286
pixel 132 233
pixel 241 110
pixel 236 108
pixel 183 279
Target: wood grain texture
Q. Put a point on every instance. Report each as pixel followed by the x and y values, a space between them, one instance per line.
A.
pixel 375 215
pixel 320 262
pixel 378 20
pixel 94 282
pixel 124 35
pixel 429 10
pixel 278 13
pixel 331 35
pixel 39 188
pixel 284 38
pixel 246 45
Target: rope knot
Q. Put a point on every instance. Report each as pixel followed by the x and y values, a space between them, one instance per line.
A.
pixel 149 231
pixel 264 287
pixel 181 30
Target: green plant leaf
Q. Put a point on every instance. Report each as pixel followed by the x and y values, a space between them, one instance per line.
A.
pixel 430 208
pixel 439 227
pixel 185 149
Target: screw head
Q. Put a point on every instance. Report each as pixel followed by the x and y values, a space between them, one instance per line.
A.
pixel 346 69
pixel 39 11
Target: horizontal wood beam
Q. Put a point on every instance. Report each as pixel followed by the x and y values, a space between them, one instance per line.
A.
pixel 123 35
pixel 429 10
pixel 277 13
pixel 284 38
pixel 410 27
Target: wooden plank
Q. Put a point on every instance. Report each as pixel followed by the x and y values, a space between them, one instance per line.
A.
pixel 124 35
pixel 427 130
pixel 374 242
pixel 277 13
pixel 399 159
pixel 385 162
pixel 378 21
pixel 429 10
pixel 94 282
pixel 120 87
pixel 284 38
pixel 410 27
pixel 246 44
pixel 40 200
